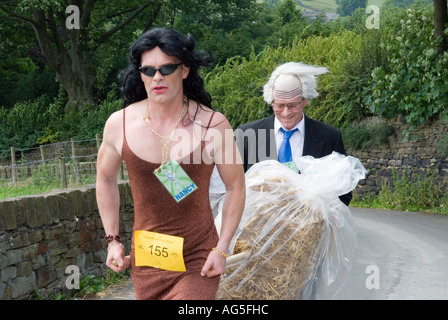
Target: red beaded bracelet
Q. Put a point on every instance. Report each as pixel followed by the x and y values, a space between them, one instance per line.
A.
pixel 110 238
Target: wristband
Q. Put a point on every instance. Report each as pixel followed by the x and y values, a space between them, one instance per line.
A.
pixel 220 252
pixel 110 238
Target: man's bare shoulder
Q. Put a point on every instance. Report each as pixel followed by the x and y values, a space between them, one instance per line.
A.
pixel 218 121
pixel 218 117
pixel 114 126
pixel 115 118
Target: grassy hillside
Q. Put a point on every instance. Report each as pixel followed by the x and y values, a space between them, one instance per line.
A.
pixel 322 5
pixel 328 5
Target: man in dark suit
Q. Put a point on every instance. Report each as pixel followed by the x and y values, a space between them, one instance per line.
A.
pixel 288 90
pixel 287 135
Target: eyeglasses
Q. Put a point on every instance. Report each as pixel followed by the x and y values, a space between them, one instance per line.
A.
pixel 293 106
pixel 165 70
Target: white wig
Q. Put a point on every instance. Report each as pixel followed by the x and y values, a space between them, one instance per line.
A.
pixel 305 73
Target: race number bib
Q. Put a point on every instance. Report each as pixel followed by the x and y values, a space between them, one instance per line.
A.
pixel 159 251
pixel 175 180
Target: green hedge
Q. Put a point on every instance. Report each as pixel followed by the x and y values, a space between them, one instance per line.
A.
pixel 43 120
pixel 237 86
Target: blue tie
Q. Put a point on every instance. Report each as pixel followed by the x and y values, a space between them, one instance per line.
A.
pixel 285 153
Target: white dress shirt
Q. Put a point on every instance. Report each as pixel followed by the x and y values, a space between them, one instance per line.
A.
pixel 296 139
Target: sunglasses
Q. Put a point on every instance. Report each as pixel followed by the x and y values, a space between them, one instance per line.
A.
pixel 165 70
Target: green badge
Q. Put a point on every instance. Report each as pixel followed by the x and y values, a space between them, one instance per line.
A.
pixel 291 166
pixel 175 180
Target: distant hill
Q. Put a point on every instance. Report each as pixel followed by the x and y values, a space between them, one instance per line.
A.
pixel 322 5
pixel 328 5
pixel 318 5
pixel 312 8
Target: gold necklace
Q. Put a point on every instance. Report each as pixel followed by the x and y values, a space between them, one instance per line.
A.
pixel 164 140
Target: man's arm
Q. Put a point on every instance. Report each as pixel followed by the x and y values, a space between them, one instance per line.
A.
pixel 107 194
pixel 230 168
pixel 339 147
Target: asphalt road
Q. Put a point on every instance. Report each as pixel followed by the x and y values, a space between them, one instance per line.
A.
pixel 400 256
pixel 407 252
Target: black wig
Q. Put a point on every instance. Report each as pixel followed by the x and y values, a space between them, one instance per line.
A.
pixel 172 43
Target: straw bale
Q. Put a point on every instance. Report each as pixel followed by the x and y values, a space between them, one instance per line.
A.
pixel 281 240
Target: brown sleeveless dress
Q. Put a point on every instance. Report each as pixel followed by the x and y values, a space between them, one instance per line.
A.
pixel 156 210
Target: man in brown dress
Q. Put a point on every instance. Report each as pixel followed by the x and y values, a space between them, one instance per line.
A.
pixel 169 137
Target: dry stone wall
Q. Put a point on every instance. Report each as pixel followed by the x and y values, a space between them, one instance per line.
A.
pixel 423 150
pixel 42 235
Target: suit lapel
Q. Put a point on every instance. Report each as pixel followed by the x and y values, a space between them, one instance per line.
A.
pixel 268 140
pixel 313 144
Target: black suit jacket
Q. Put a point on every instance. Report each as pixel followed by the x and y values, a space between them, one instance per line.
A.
pixel 256 142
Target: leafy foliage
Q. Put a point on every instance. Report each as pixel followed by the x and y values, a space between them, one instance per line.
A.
pixel 392 71
pixel 23 124
pixel 237 86
pixel 44 121
pixel 413 83
pixel 407 192
pixel 418 192
pixel 362 136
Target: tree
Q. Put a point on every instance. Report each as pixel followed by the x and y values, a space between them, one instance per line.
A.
pixel 440 23
pixel 347 7
pixel 23 72
pixel 69 51
pixel 228 27
pixel 288 11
